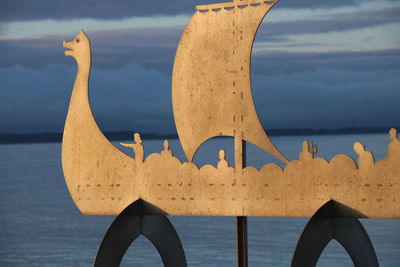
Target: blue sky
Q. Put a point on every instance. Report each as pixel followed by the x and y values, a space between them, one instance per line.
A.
pixel 315 64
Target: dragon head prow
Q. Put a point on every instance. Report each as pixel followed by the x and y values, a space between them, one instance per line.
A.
pixel 78 47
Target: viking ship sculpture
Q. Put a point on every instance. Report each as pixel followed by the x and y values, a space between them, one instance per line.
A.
pixel 211 94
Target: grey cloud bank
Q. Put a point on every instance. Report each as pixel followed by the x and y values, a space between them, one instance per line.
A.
pixel 276 62
pixel 130 98
pixel 130 87
pixel 22 10
pixel 331 23
pixel 328 98
pixel 110 49
pixel 137 99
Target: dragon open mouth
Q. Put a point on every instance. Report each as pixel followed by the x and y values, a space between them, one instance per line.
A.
pixel 69 48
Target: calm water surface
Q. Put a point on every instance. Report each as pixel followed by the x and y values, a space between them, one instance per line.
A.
pixel 40 225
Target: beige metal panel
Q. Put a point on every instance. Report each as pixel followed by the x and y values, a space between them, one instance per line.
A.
pixel 211 90
pixel 103 180
pixel 93 167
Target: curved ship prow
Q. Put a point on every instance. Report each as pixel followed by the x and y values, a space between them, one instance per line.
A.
pixel 91 164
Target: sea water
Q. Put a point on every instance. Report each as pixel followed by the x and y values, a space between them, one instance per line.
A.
pixel 40 225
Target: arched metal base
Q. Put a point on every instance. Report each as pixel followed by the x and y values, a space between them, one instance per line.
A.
pixel 141 218
pixel 334 221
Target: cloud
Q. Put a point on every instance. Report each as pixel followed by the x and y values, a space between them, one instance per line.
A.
pixel 304 20
pixel 318 4
pixel 275 62
pixel 149 48
pixel 129 98
pixel 50 27
pixel 137 99
pixel 23 10
pixel 328 98
pixel 154 49
pixel 33 53
pixel 330 23
pixel 132 66
pixel 32 100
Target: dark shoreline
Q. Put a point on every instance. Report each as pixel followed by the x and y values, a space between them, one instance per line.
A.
pixel 13 138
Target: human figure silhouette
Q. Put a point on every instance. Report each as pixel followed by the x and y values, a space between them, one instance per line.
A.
pixel 394 145
pixel 166 151
pixel 365 158
pixel 137 147
pixel 222 163
pixel 306 154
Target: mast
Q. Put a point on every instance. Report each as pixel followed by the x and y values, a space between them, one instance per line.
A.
pixel 241 221
pixel 240 152
pixel 211 86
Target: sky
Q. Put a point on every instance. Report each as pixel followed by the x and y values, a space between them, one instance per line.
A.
pixel 315 64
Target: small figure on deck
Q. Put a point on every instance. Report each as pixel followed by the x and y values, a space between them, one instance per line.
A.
pixel 365 158
pixel 166 151
pixel 222 163
pixel 308 154
pixel 394 145
pixel 137 147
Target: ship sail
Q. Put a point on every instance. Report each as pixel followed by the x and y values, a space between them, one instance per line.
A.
pixel 211 87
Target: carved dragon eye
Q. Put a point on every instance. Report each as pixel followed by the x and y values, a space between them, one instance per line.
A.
pixel 77 40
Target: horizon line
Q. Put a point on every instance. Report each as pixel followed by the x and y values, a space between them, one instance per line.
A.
pixel 54 137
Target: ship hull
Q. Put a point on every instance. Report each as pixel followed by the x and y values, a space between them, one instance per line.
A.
pixel 296 191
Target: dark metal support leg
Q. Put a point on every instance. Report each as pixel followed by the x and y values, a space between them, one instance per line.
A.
pixel 351 234
pixel 160 231
pixel 242 248
pixel 334 221
pixel 315 237
pixel 141 218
